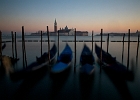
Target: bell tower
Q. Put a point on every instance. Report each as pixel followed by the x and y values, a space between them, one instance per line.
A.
pixel 55 26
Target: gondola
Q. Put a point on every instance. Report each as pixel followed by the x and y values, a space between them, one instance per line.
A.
pixel 87 61
pixel 43 60
pixel 63 61
pixel 3 46
pixel 112 66
pixel 36 65
pixel 106 57
pixel 44 57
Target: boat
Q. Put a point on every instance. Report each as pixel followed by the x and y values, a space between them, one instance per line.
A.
pixel 3 46
pixel 112 67
pixel 36 65
pixel 63 61
pixel 87 61
pixel 106 57
pixel 44 57
pixel 43 60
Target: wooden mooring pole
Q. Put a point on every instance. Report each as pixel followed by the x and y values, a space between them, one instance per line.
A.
pixel 23 48
pixel 1 47
pixel 107 42
pixel 48 44
pixel 128 48
pixel 58 43
pixel 15 46
pixel 123 47
pixel 23 56
pixel 101 50
pixel 75 51
pixel 92 41
pixel 137 49
pixel 12 43
pixel 41 43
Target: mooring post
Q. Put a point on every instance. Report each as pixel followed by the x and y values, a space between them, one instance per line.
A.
pixel 123 47
pixel 75 51
pixel 48 44
pixel 12 43
pixel 58 43
pixel 1 47
pixel 128 48
pixel 23 56
pixel 25 53
pixel 92 41
pixel 23 48
pixel 101 50
pixel 41 43
pixel 15 46
pixel 137 48
pixel 107 42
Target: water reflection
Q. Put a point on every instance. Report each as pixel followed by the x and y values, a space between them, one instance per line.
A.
pixel 120 85
pixel 2 71
pixel 58 82
pixel 29 83
pixel 86 83
pixel 71 85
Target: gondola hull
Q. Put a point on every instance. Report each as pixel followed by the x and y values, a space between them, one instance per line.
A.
pixel 106 57
pixel 87 61
pixel 112 67
pixel 63 61
pixel 36 65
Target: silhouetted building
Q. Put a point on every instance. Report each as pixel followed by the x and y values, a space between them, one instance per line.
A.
pixel 55 26
pixel 63 32
pixel 66 31
pixel 137 31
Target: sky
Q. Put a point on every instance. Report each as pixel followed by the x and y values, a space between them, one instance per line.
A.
pixel 84 15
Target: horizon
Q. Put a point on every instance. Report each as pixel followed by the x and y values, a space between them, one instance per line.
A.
pixel 111 16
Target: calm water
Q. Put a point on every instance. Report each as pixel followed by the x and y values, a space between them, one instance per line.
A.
pixel 71 85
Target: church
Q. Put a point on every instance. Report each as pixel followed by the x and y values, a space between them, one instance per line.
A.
pixel 67 32
pixel 63 31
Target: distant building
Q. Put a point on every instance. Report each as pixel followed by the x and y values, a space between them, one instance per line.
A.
pixel 55 26
pixel 82 33
pixel 137 31
pixel 70 32
pixel 63 32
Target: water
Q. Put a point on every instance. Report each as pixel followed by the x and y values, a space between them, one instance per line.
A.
pixel 71 85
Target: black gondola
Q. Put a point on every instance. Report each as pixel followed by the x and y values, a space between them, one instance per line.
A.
pixel 87 61
pixel 112 66
pixel 106 57
pixel 35 66
pixel 3 46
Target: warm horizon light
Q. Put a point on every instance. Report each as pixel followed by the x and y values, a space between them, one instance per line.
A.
pixel 84 15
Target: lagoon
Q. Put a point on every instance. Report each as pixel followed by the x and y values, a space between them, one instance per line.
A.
pixel 71 86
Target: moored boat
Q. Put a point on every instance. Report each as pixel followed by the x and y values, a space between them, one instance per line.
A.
pixel 106 57
pixel 87 61
pixel 3 46
pixel 63 61
pixel 112 66
pixel 44 57
pixel 36 65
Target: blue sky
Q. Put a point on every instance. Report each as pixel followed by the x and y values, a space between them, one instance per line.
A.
pixel 85 15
